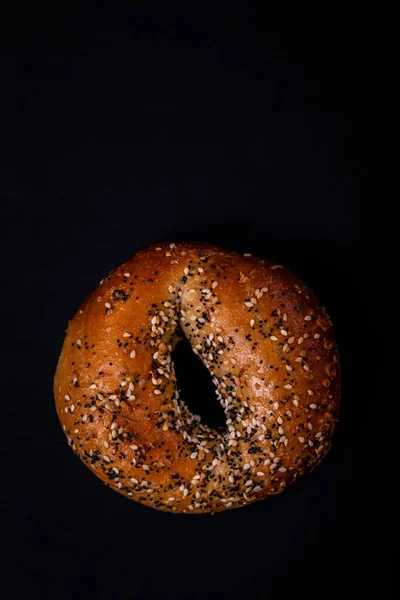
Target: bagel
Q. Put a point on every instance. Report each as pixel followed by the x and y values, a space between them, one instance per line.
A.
pixel 268 345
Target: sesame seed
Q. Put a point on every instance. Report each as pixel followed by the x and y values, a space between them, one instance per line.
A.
pixel 66 397
pixel 157 392
pixel 133 354
pixel 126 334
pixel 252 322
pixel 107 305
pixel 308 318
pixel 284 332
pixel 249 304
pixel 291 340
pixel 313 406
pixel 273 338
pixel 126 274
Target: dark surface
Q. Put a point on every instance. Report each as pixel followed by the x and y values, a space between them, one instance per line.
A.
pixel 265 135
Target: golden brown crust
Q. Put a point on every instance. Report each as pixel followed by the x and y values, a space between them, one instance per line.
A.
pixel 269 347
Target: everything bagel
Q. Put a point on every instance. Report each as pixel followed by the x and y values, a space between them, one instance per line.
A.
pixel 268 345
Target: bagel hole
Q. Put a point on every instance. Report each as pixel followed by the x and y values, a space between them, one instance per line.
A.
pixel 196 388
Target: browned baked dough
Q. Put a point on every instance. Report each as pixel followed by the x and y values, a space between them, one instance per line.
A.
pixel 270 350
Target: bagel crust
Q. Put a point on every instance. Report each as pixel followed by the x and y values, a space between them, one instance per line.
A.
pixel 268 345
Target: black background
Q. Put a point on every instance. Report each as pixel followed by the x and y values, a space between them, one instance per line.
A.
pixel 267 134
